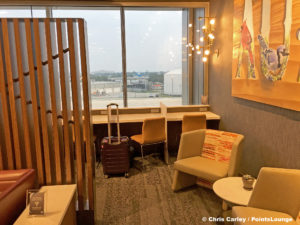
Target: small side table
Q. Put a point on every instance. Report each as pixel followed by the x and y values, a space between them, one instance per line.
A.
pixel 231 190
pixel 59 205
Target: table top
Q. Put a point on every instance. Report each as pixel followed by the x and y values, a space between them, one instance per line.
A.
pixel 57 201
pixel 136 118
pixel 231 190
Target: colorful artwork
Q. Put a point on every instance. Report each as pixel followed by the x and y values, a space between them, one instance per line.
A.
pixel 266 52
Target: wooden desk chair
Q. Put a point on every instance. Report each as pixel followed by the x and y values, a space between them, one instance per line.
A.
pixel 153 132
pixel 193 122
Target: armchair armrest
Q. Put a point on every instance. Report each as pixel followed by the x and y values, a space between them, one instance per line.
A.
pixel 191 144
pixel 235 157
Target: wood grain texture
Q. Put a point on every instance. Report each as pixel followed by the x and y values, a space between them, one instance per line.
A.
pixel 44 80
pixel 77 116
pixel 23 95
pixel 12 103
pixel 6 116
pixel 41 91
pixel 87 113
pixel 65 97
pixel 55 134
pixel 38 145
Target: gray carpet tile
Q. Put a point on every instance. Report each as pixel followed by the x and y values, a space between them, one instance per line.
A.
pixel 146 198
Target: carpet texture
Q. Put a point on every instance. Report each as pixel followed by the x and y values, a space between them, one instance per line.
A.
pixel 146 198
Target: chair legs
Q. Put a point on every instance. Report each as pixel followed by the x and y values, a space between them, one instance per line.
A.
pixel 182 180
pixel 142 152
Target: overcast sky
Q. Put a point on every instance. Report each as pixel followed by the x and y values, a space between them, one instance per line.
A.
pixel 153 38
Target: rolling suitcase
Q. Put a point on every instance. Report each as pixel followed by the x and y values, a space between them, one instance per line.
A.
pixel 114 150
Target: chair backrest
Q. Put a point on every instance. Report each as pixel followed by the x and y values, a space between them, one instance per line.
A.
pixel 224 147
pixel 278 190
pixel 154 130
pixel 193 122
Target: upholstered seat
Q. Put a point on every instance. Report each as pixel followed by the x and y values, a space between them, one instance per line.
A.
pixel 276 194
pixel 254 213
pixel 207 154
pixel 153 132
pixel 202 167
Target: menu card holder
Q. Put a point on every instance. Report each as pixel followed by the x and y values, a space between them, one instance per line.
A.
pixel 36 201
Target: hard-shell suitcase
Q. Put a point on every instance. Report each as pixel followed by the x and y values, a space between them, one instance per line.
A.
pixel 114 150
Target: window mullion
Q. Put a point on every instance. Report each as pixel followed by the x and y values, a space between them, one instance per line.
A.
pixel 124 71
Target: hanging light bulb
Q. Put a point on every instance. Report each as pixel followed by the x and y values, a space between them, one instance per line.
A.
pixel 198 52
pixel 204 27
pixel 193 48
pixel 204 59
pixel 190 25
pixel 197 46
pixel 190 44
pixel 197 30
pixel 201 39
pixel 206 52
pixel 211 36
pixel 190 54
pixel 212 21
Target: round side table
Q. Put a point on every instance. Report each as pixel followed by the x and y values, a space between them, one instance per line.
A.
pixel 231 190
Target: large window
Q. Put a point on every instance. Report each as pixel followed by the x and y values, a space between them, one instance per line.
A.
pixel 137 56
pixel 104 43
pixel 154 57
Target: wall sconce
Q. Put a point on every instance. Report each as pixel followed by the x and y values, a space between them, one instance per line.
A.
pixel 203 45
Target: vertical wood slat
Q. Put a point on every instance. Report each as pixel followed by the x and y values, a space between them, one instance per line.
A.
pixel 87 111
pixel 67 135
pixel 77 116
pixel 13 111
pixel 23 95
pixel 53 104
pixel 6 123
pixel 41 91
pixel 38 146
pixel 1 158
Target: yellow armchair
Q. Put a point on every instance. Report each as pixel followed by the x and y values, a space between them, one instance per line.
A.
pixel 276 195
pixel 208 154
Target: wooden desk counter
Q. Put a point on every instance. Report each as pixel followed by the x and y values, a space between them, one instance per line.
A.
pixel 137 118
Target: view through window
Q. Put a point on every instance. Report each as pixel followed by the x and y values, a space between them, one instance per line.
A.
pixel 155 48
pixel 154 52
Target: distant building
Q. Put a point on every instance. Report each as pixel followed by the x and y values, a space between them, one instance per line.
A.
pixel 173 82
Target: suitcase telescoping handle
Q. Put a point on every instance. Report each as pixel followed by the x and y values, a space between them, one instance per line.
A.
pixel 109 122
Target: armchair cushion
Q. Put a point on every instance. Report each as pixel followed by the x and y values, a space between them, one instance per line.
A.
pixel 218 145
pixel 255 213
pixel 202 167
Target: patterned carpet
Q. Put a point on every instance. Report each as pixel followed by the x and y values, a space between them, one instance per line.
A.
pixel 146 198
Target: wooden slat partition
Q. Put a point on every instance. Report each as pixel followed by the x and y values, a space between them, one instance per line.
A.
pixel 45 91
pixel 11 92
pixel 6 116
pixel 23 95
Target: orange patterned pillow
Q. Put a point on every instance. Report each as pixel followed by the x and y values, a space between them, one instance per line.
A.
pixel 218 145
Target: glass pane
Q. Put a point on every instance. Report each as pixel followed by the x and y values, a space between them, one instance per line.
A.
pixel 15 12
pixel 154 57
pixel 104 46
pixel 39 12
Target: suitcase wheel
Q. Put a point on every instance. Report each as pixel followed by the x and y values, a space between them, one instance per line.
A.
pixel 106 176
pixel 126 175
